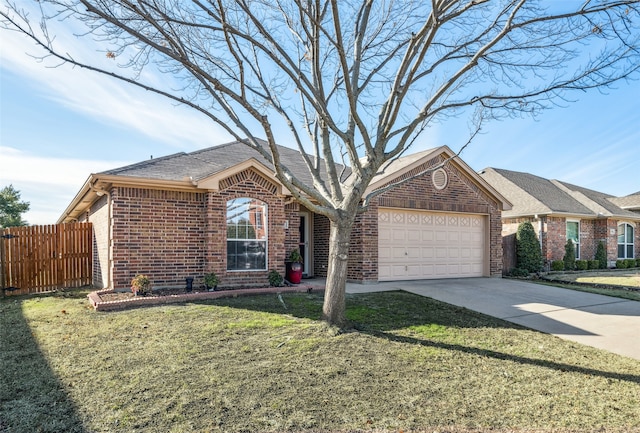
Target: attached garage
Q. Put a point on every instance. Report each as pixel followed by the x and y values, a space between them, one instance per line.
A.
pixel 415 244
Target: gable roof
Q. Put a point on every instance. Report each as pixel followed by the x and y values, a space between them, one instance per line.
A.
pixel 396 168
pixel 534 195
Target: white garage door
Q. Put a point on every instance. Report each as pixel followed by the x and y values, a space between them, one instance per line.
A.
pixel 420 245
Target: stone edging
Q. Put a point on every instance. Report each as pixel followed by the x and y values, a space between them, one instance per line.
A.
pixel 99 305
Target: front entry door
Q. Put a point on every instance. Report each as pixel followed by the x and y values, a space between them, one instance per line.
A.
pixel 304 243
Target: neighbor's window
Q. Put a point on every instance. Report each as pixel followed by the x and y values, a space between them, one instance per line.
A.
pixel 246 234
pixel 625 241
pixel 573 233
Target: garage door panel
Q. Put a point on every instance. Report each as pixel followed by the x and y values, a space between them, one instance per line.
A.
pixel 414 253
pixel 417 245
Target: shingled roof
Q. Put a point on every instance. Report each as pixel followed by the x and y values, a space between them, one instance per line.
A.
pixel 631 201
pixel 533 195
pixel 206 162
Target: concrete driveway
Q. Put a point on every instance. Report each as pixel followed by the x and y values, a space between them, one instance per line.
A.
pixel 604 322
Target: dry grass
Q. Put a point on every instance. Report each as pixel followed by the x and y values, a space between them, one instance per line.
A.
pixel 265 363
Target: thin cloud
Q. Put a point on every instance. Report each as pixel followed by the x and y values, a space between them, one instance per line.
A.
pixel 107 99
pixel 48 184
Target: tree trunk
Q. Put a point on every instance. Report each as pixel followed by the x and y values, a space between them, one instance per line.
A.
pixel 333 310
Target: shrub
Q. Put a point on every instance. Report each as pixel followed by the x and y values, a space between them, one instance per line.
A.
pixel 275 279
pixel 141 285
pixel 582 265
pixel 528 253
pixel 631 263
pixel 211 280
pixel 557 265
pixel 519 272
pixel 594 264
pixel 569 256
pixel 621 264
pixel 601 256
pixel 638 263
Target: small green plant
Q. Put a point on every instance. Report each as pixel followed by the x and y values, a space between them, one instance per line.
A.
pixel 621 264
pixel 557 265
pixel 141 285
pixel 582 265
pixel 601 255
pixel 631 263
pixel 528 253
pixel 519 272
pixel 295 256
pixel 211 280
pixel 569 256
pixel 275 279
pixel 637 263
pixel 594 264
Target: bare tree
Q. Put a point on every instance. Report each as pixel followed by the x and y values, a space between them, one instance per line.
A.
pixel 353 81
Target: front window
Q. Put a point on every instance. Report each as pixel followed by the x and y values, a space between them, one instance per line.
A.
pixel 573 234
pixel 246 234
pixel 625 241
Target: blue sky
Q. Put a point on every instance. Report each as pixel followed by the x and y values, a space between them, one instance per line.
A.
pixel 59 125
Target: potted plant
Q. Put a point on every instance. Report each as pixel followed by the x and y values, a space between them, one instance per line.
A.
pixel 141 285
pixel 294 267
pixel 211 281
pixel 275 279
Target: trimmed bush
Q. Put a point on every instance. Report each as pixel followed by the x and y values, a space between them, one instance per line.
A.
pixel 569 256
pixel 519 272
pixel 582 265
pixel 594 264
pixel 601 256
pixel 631 263
pixel 638 263
pixel 621 264
pixel 557 265
pixel 275 279
pixel 528 253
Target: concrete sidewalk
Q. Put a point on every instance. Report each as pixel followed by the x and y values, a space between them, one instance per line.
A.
pixel 604 322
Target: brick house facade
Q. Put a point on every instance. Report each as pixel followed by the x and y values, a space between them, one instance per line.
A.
pixel 154 218
pixel 551 205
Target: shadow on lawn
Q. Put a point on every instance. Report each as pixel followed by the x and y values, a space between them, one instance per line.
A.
pixel 378 314
pixel 32 398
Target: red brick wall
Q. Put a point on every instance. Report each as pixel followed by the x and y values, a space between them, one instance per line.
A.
pixel 171 235
pixel 320 245
pixel 555 238
pixel 157 233
pixel 363 249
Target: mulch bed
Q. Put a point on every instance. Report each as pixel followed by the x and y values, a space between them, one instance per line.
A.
pixel 109 300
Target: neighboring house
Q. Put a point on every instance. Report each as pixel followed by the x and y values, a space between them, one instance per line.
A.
pixel 561 211
pixel 222 209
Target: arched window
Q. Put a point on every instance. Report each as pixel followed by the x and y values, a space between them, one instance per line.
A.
pixel 246 234
pixel 625 241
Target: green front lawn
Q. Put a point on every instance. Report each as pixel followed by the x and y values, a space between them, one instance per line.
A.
pixel 611 283
pixel 266 363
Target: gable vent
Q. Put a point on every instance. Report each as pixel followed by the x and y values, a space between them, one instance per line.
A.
pixel 440 178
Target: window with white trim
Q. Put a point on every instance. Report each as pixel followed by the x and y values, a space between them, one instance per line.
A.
pixel 246 234
pixel 573 234
pixel 625 241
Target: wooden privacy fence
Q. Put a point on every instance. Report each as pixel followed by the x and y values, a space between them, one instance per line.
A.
pixel 38 259
pixel 508 253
